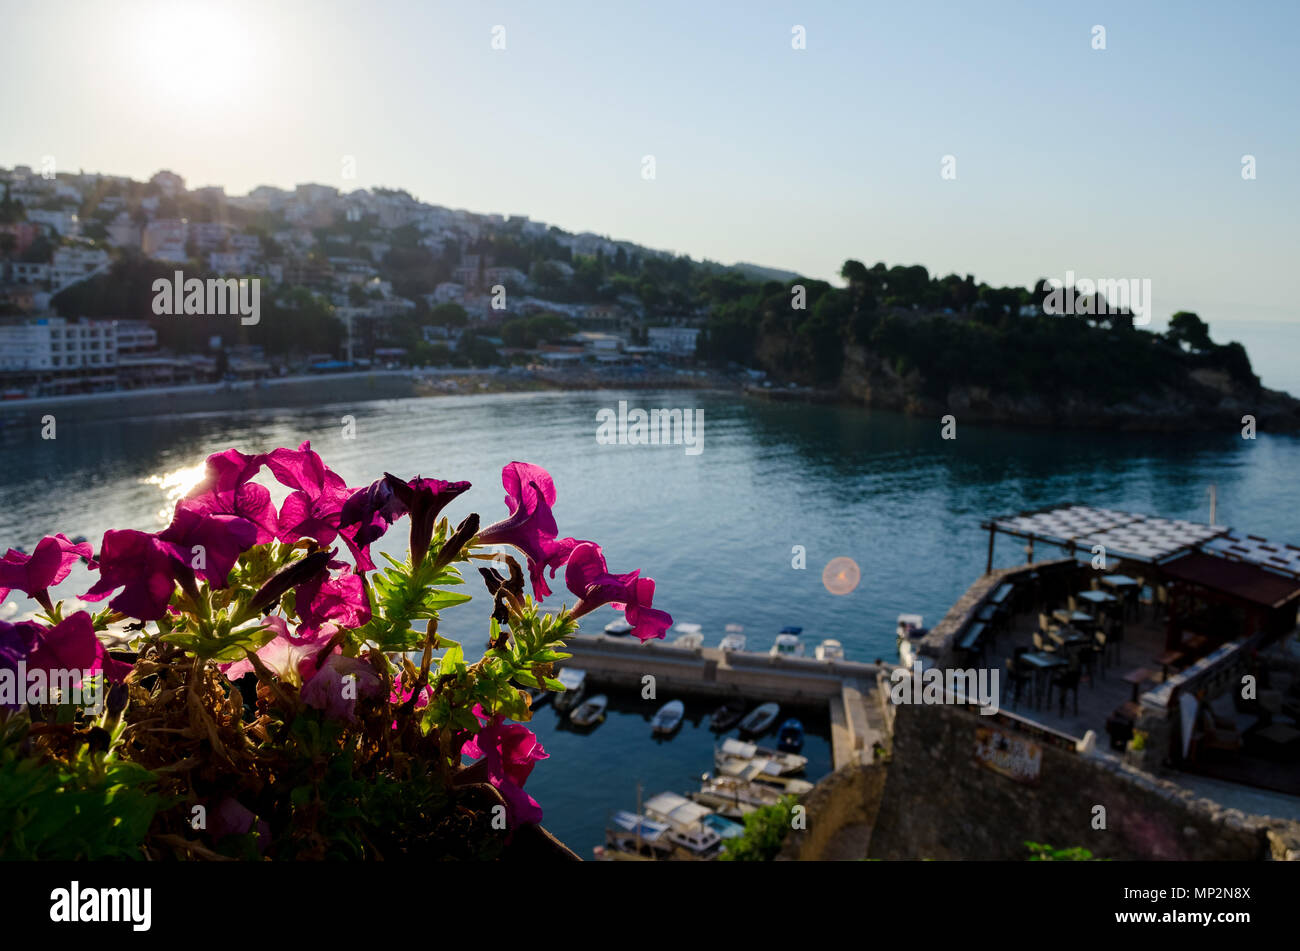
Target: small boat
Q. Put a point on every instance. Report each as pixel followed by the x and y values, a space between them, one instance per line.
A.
pixel 727 828
pixel 726 716
pixel 688 635
pixel 591 711
pixel 638 835
pixel 685 821
pixel 829 649
pixel 618 628
pixel 786 645
pixel 909 632
pixel 575 681
pixel 782 763
pixel 760 719
pixel 733 642
pixel 733 797
pixel 669 718
pixel 789 739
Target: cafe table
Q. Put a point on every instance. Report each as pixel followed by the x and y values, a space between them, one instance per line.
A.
pixel 1043 664
pixel 1127 586
pixel 1098 597
pixel 1066 616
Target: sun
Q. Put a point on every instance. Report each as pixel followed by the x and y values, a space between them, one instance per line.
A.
pixel 193 54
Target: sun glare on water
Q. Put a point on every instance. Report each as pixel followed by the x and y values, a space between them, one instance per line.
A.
pixel 175 485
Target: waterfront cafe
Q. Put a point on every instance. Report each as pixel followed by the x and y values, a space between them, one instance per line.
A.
pixel 1180 634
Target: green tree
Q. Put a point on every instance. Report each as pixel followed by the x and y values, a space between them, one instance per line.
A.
pixel 765 831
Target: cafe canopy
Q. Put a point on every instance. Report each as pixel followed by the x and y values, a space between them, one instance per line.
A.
pixel 1147 539
pixel 1133 537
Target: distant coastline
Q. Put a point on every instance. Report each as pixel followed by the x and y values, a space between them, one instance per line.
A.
pixel 1273 410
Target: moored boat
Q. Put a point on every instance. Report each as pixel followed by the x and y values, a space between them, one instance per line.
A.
pixel 591 711
pixel 787 645
pixel 760 719
pixel 637 835
pixel 618 628
pixel 909 631
pixel 686 826
pixel 789 739
pixel 575 682
pixel 688 635
pixel 733 642
pixel 726 716
pixel 727 828
pixel 734 797
pixel 829 649
pixel 668 718
pixel 785 763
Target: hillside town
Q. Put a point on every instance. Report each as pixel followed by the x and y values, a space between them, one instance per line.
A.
pixel 368 278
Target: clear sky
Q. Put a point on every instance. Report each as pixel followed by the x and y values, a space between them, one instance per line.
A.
pixel 1123 162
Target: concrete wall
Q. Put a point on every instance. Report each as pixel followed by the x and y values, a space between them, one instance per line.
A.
pixel 940 803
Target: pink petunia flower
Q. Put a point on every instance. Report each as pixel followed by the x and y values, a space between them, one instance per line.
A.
pixel 45 567
pixel 588 577
pixel 508 751
pixel 531 527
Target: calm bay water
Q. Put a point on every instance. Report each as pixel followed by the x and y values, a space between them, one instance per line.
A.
pixel 715 530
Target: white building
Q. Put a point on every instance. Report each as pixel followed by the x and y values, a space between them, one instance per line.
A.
pixel 71 264
pixel 164 239
pixel 65 222
pixel 53 343
pixel 25 272
pixel 447 292
pixel 673 341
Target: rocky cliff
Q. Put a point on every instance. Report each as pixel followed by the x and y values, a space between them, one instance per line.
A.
pixel 1204 400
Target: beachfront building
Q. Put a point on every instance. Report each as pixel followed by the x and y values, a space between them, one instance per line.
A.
pixel 56 355
pixel 673 341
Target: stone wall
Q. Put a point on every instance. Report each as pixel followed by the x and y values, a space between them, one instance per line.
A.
pixel 939 802
pixel 840 813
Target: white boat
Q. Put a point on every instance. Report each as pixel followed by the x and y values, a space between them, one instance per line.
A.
pixel 685 821
pixel 734 797
pixel 733 642
pixel 618 628
pixel 787 645
pixel 909 631
pixel 764 772
pixel 760 719
pixel 591 711
pixel 669 718
pixel 575 681
pixel 635 834
pixel 829 649
pixel 688 635
pixel 783 762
